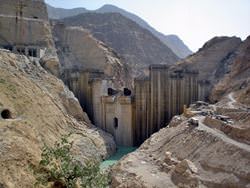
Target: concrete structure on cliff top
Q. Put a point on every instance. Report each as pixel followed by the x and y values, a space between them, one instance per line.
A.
pixel 131 117
pixel 24 29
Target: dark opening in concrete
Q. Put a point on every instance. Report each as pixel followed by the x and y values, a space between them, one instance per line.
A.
pixel 6 114
pixel 126 92
pixel 8 47
pixel 21 51
pixel 115 123
pixel 32 52
pixel 111 91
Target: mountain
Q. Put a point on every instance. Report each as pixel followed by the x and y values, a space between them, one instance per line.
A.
pixel 203 155
pixel 237 81
pixel 213 60
pixel 136 45
pixel 59 13
pixel 172 41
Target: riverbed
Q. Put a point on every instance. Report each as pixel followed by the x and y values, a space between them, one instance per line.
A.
pixel 121 151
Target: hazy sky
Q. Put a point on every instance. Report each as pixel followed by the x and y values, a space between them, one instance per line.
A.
pixel 194 21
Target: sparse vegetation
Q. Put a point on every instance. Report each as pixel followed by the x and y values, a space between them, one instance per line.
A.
pixel 2 81
pixel 59 169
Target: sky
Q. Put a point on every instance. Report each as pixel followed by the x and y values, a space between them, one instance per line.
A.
pixel 194 21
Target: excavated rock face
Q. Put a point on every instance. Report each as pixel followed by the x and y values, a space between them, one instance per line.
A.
pixel 42 111
pixel 186 156
pixel 137 46
pixel 25 23
pixel 213 60
pixel 25 29
pixel 78 49
pixel 238 78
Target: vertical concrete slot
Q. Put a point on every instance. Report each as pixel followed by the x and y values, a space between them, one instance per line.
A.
pixel 115 123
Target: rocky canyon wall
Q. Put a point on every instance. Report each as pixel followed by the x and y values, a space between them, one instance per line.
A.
pixel 42 111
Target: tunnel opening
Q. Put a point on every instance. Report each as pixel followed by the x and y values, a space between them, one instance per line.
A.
pixel 6 114
pixel 127 92
pixel 111 92
pixel 21 51
pixel 32 52
pixel 8 47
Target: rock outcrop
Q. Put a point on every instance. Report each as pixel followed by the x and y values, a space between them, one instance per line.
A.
pixel 37 109
pixel 213 60
pixel 137 46
pixel 237 79
pixel 78 49
pixel 25 29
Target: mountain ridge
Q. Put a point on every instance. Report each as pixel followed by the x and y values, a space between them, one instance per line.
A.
pixel 172 41
pixel 138 46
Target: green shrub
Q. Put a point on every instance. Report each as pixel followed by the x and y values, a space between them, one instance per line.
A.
pixel 59 168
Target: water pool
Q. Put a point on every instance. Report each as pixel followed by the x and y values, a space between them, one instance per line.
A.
pixel 121 151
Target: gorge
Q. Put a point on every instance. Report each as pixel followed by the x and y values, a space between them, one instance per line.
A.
pixel 111 83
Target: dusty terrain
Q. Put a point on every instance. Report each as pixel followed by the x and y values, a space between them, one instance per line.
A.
pixel 216 153
pixel 183 155
pixel 42 110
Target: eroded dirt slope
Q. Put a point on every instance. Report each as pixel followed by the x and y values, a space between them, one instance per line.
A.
pixel 42 110
pixel 183 155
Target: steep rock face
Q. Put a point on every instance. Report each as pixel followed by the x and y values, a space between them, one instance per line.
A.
pixel 172 41
pixel 175 44
pixel 238 78
pixel 25 29
pixel 77 48
pixel 137 46
pixel 27 8
pixel 25 23
pixel 42 111
pixel 213 60
pixel 183 155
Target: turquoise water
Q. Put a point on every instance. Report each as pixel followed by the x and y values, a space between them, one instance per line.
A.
pixel 121 151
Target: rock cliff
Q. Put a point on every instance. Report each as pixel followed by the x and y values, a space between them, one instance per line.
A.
pixel 36 109
pixel 137 46
pixel 213 60
pixel 237 79
pixel 25 29
pixel 78 49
